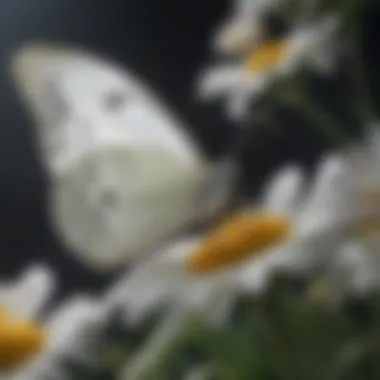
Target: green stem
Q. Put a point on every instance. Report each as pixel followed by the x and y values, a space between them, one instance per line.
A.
pixel 348 359
pixel 156 350
pixel 201 373
pixel 323 121
pixel 289 368
pixel 364 92
pixel 360 79
pixel 307 9
pixel 375 335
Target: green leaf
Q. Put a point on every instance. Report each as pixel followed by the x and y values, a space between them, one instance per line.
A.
pixel 302 334
pixel 230 350
pixel 348 359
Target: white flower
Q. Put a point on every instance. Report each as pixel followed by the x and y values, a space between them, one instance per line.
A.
pixel 244 28
pixel 306 46
pixel 21 303
pixel 283 232
pixel 31 336
pixel 353 272
pixel 69 329
pixel 357 268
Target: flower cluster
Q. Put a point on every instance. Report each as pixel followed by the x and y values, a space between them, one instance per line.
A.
pixel 129 186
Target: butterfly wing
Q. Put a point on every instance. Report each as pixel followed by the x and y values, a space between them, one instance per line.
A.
pixel 124 172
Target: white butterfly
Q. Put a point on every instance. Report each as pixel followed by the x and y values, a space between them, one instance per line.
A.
pixel 125 174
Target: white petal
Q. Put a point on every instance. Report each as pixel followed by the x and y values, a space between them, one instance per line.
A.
pixel 31 292
pixel 328 186
pixel 253 279
pixel 237 105
pixel 327 48
pixel 314 243
pixel 218 304
pixel 252 7
pixel 374 144
pixel 210 293
pixel 255 276
pixel 283 190
pixel 246 95
pixel 238 35
pixel 66 326
pixel 353 271
pixel 152 282
pixel 323 59
pixel 79 315
pixel 313 44
pixel 219 80
pixel 35 369
pixel 198 373
pixel 297 52
pixel 240 98
pixel 244 27
pixel 361 171
pixel 217 190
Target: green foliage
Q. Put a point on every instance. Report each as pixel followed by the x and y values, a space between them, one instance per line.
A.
pixel 283 335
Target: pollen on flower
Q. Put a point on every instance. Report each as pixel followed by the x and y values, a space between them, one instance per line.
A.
pixel 19 341
pixel 266 56
pixel 244 235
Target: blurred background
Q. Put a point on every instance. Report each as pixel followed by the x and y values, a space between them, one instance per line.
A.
pixel 165 42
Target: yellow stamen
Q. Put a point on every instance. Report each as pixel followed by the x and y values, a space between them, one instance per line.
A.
pixel 266 57
pixel 238 238
pixel 19 341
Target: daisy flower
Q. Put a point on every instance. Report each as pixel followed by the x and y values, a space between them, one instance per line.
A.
pixel 31 339
pixel 306 46
pixel 357 267
pixel 239 255
pixel 21 304
pixel 244 27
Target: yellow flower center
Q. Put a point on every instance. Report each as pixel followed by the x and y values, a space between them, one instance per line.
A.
pixel 245 235
pixel 265 57
pixel 19 341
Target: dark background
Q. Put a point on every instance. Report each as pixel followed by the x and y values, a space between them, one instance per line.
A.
pixel 165 42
